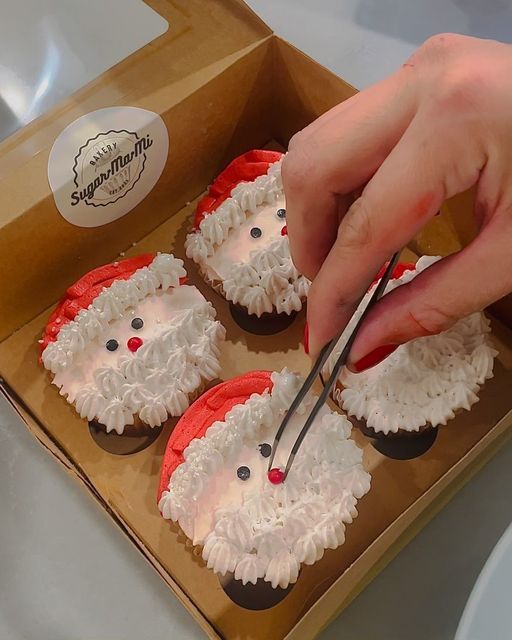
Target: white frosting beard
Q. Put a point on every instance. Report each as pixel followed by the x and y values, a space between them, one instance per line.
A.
pixel 180 351
pixel 253 528
pixel 424 382
pixel 256 273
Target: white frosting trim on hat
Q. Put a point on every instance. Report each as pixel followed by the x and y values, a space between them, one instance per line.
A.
pixel 275 528
pixel 269 280
pixel 165 271
pixel 424 382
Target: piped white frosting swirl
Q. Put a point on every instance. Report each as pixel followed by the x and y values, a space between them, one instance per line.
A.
pixel 179 353
pixel 165 271
pixel 156 381
pixel 266 280
pixel 256 529
pixel 424 382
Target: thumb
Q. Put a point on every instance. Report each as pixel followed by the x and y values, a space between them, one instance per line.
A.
pixel 448 290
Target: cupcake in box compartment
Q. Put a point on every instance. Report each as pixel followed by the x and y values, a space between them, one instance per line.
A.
pixel 130 344
pixel 425 382
pixel 240 242
pixel 251 524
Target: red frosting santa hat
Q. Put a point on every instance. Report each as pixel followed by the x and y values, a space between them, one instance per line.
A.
pixel 240 239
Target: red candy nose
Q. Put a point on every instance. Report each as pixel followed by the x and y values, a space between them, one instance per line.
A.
pixel 276 476
pixel 284 231
pixel 134 343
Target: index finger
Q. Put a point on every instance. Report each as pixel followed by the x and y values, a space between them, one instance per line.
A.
pixel 335 155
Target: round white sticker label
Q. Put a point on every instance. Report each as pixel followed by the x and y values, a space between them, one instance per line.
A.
pixel 106 162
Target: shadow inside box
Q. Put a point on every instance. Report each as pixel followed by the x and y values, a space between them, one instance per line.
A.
pixel 398 446
pixel 126 443
pixel 256 597
pixel 266 325
pixel 273 335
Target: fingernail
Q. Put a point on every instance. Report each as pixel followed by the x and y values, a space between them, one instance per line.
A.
pixel 306 338
pixel 374 357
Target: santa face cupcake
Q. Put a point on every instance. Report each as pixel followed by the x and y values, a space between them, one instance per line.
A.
pixel 422 384
pixel 130 343
pixel 240 242
pixel 214 480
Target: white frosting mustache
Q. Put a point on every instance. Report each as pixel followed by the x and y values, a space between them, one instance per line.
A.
pixel 257 529
pixel 156 381
pixel 269 280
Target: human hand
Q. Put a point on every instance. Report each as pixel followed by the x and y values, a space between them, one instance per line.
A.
pixel 364 178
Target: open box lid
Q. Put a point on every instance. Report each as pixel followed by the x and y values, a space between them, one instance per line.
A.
pixel 201 40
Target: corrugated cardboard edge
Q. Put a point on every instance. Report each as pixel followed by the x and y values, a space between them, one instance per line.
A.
pixel 411 521
pixel 38 430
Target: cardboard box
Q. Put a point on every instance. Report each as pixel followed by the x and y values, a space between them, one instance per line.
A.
pixel 223 83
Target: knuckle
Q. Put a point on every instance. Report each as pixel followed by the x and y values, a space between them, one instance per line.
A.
pixel 303 261
pixel 319 297
pixel 442 44
pixel 429 320
pixel 460 96
pixel 302 264
pixel 460 69
pixel 461 86
pixel 296 168
pixel 355 231
pixel 314 297
pixel 295 140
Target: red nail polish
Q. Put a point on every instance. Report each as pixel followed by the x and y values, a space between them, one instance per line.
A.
pixel 374 357
pixel 306 338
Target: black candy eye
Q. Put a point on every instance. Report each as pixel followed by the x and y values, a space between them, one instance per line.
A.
pixel 256 232
pixel 265 449
pixel 137 323
pixel 112 344
pixel 281 213
pixel 243 473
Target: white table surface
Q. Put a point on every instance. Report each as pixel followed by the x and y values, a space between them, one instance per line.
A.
pixel 66 573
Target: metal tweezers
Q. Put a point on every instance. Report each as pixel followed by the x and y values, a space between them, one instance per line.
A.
pixel 317 370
